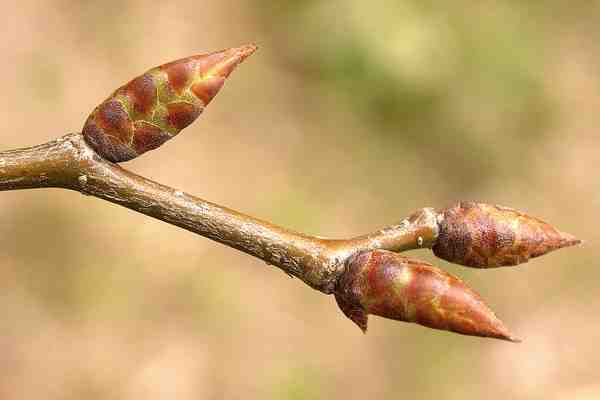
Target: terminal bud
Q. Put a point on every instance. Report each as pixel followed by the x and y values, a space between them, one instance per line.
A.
pixel 488 236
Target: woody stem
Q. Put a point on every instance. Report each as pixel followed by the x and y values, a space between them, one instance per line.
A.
pixel 68 162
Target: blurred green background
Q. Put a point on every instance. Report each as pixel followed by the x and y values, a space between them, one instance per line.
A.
pixel 351 115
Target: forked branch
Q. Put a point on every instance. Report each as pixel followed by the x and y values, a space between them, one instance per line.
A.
pixel 365 273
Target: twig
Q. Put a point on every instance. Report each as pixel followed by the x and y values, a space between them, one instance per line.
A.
pixel 365 273
pixel 70 163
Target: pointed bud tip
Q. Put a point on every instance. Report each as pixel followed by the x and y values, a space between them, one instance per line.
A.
pixel 498 330
pixel 246 50
pixel 505 334
pixel 232 58
pixel 514 339
pixel 569 240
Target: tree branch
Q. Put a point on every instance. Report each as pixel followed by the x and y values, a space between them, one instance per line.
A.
pixel 70 163
pixel 365 274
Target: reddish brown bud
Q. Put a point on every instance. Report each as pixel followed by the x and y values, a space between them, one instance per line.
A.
pixel 154 107
pixel 386 284
pixel 487 236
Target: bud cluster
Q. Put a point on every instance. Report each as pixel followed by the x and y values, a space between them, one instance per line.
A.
pixel 386 284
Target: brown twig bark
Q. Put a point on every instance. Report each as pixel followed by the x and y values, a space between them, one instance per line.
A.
pixel 70 163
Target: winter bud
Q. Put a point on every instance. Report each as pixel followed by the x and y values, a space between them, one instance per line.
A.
pixel 154 107
pixel 405 289
pixel 487 236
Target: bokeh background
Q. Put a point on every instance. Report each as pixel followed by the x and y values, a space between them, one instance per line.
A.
pixel 351 115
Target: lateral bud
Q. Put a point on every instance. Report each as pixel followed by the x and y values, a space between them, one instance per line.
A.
pixel 388 285
pixel 488 236
pixel 154 107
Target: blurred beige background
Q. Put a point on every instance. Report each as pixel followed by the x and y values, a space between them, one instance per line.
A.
pixel 351 115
